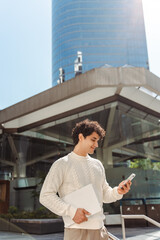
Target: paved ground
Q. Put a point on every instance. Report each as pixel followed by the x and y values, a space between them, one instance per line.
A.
pixel 148 233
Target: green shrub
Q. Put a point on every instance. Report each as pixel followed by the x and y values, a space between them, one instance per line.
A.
pixel 12 210
pixel 39 213
pixel 6 216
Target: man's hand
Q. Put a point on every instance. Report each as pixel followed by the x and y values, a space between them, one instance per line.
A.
pixel 80 215
pixel 124 188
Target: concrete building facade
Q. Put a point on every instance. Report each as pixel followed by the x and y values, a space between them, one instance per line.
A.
pixel 37 131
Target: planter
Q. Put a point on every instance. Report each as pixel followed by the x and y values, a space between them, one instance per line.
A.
pixel 135 210
pixel 153 211
pixel 39 226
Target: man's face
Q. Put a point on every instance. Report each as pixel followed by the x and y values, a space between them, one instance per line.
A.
pixel 90 143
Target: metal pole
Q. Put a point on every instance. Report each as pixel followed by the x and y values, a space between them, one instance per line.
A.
pixel 141 217
pixel 123 224
pixel 112 237
pixel 123 229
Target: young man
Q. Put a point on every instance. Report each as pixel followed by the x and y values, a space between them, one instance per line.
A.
pixel 73 172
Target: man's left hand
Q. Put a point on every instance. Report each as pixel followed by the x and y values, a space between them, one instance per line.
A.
pixel 124 188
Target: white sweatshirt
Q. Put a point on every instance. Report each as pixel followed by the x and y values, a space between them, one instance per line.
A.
pixel 70 173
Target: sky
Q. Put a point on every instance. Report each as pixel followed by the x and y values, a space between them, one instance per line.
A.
pixel 25 47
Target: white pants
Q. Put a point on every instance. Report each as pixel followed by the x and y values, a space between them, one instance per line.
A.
pixel 84 234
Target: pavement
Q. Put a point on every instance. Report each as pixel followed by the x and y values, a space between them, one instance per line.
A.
pixel 145 233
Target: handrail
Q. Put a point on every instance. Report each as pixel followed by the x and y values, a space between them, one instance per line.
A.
pixel 141 199
pixel 136 217
pixel 132 199
pixel 141 216
pixel 144 201
pixel 112 237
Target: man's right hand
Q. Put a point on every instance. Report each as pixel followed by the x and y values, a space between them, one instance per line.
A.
pixel 80 215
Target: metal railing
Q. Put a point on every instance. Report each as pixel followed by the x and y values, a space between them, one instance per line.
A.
pixel 142 216
pixel 144 201
pixel 136 217
pixel 112 237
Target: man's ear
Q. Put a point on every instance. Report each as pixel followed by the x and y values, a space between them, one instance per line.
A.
pixel 80 137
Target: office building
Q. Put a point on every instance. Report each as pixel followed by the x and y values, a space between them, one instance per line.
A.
pixel 88 34
pixel 37 131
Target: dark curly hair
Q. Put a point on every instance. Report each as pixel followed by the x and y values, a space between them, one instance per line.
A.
pixel 87 127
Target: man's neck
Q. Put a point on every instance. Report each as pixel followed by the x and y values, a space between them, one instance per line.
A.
pixel 79 151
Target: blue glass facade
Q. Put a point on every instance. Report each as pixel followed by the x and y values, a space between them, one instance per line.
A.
pixel 105 31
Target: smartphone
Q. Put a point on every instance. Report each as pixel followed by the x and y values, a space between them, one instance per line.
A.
pixel 129 178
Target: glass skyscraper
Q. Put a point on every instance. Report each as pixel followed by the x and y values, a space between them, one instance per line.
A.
pixel 103 32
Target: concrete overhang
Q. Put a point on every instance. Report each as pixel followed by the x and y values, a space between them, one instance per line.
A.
pixel 137 85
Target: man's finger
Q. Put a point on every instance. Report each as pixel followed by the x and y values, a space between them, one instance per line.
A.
pixel 86 212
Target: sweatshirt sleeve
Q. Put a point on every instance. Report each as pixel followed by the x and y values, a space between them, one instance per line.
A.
pixel 109 194
pixel 51 185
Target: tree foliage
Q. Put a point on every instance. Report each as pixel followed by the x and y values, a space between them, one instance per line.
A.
pixel 145 164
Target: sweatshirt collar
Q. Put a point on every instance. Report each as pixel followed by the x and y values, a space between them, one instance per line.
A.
pixel 78 157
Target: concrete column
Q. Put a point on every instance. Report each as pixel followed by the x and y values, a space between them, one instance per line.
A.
pixel 99 154
pixel 15 171
pixel 20 167
pixel 107 158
